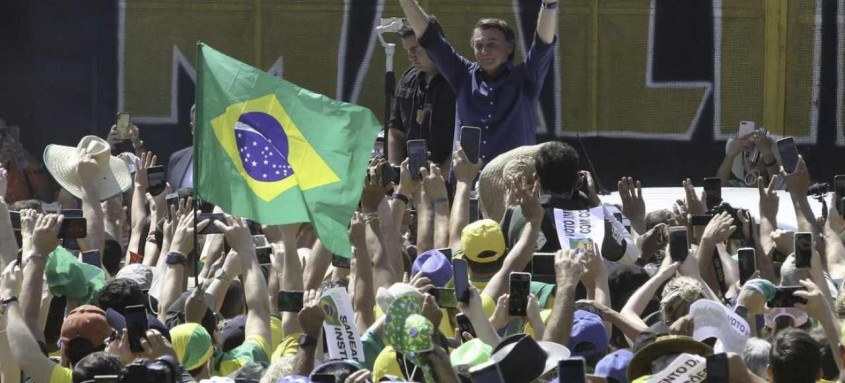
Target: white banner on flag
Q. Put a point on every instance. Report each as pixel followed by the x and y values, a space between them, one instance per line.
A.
pixel 342 336
pixel 685 368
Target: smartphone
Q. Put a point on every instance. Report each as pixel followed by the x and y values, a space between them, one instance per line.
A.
pixel 136 326
pixel 678 243
pixel 106 379
pixel 211 228
pixel 155 177
pixel 262 253
pixel 459 272
pixel 15 218
pixel 92 258
pixel 388 176
pixel 520 286
pixel 697 224
pixel 341 262
pixel 839 188
pixel 471 142
pixel 74 227
pixel 290 301
pixel 572 370
pixel 803 249
pixel 322 378
pixel 717 368
pixel 171 200
pixel 788 154
pixel 122 125
pixel 543 264
pixel 417 157
pixel 745 128
pixel 747 263
pixel 446 298
pixel 474 212
pixel 487 373
pixel 465 325
pixel 713 191
pixel 785 297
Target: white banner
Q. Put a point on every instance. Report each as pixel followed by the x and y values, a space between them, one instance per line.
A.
pixel 342 336
pixel 576 227
pixel 686 368
pixel 713 320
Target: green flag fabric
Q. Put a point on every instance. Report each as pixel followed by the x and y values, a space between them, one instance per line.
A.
pixel 273 152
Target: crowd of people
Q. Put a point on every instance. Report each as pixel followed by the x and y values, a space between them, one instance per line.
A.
pixel 109 278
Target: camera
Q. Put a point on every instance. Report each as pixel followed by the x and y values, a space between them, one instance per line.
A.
pixel 740 232
pixel 161 370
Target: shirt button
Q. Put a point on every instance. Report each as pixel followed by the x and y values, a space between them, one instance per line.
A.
pixel 491 102
pixel 484 142
pixel 489 115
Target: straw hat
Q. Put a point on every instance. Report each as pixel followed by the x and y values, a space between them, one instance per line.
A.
pixel 112 177
pixel 491 182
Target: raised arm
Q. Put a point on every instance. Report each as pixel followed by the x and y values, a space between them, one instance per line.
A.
pixel 183 243
pixel 798 184
pixel 465 173
pixel 87 170
pixel 435 189
pixel 255 286
pixel 569 266
pixel 639 300
pixel 138 206
pixel 521 253
pixel 769 203
pixel 834 250
pixel 288 269
pixel 547 23
pixel 365 296
pixel 44 240
pixel 736 147
pixel 23 346
pixel 387 269
pixel 595 280
pixel 8 244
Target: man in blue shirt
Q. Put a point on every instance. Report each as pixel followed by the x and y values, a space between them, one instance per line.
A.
pixel 492 93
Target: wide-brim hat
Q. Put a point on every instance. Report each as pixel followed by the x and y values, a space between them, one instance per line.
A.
pixel 671 344
pixel 491 182
pixel 521 359
pixel 112 175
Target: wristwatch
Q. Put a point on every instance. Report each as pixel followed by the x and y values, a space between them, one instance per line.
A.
pixel 4 304
pixel 175 258
pixel 306 340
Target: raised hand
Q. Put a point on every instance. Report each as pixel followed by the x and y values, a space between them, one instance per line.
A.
pixel 769 200
pixel 570 265
pixel 237 234
pixel 10 280
pixel 433 183
pixel 799 181
pixel 633 204
pixel 87 168
pixel 311 316
pixel 465 171
pixel 694 204
pixel 147 160
pixel 3 181
pixel 719 229
pixel 45 236
pixel 407 185
pixel 373 192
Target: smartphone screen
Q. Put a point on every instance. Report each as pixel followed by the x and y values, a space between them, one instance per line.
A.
pixel 122 125
pixel 15 218
pixel 341 262
pixel 745 128
pixel 136 326
pixel 717 368
pixel 445 297
pixel 572 370
pixel 678 243
pixel 747 263
pixel 322 378
pixel 388 176
pixel 211 228
pixel 465 325
pixel 72 213
pixel 488 373
pixel 262 253
pixel 520 285
pixel 788 154
pixel 91 258
pixel 171 200
pixel 290 301
pixel 803 249
pixel 155 177
pixel 417 157
pixel 459 268
pixel 713 191
pixel 74 227
pixel 785 297
pixel 474 212
pixel 471 142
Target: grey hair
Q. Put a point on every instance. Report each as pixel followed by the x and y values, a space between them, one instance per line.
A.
pixel 756 356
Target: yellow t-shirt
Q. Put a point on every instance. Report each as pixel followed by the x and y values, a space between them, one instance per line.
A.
pixel 61 375
pixel 287 347
pixel 254 349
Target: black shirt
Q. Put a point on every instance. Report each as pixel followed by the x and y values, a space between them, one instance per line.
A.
pixel 425 110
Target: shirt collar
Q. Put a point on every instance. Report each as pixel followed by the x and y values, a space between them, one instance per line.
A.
pixel 508 66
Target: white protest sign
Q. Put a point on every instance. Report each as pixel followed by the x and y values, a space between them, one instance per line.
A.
pixel 342 336
pixel 713 320
pixel 576 227
pixel 686 368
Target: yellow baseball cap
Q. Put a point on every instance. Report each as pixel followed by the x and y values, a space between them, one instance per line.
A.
pixel 483 241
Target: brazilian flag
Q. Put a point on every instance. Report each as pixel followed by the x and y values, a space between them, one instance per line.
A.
pixel 276 153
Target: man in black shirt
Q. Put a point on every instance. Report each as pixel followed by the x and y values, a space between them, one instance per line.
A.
pixel 557 167
pixel 424 107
